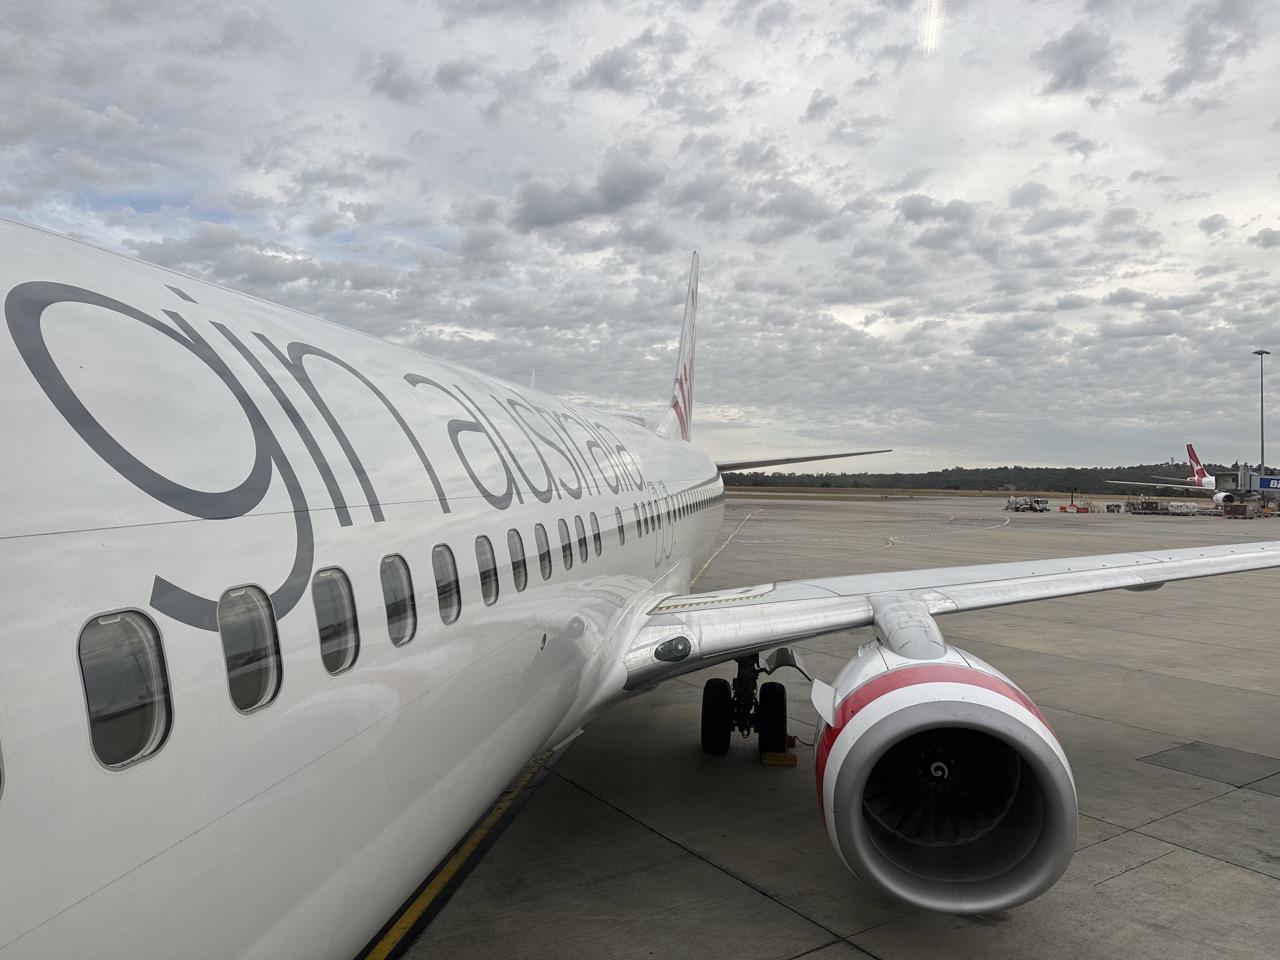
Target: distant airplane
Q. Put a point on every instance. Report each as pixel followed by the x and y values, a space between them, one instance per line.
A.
pixel 287 606
pixel 1200 477
pixel 1200 481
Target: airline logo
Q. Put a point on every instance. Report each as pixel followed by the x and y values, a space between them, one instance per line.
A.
pixel 1201 474
pixel 543 449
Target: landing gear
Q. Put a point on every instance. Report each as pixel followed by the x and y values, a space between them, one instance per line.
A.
pixel 771 718
pixel 717 715
pixel 727 708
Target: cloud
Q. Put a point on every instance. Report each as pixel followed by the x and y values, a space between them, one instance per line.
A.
pixel 625 181
pixel 636 66
pixel 918 207
pixel 909 180
pixel 1047 219
pixel 390 76
pixel 1182 302
pixel 455 75
pixel 1030 194
pixel 1266 237
pixel 1122 296
pixel 1073 142
pixel 1124 225
pixel 462 10
pixel 618 69
pixel 515 183
pixel 1215 34
pixel 1079 60
pixel 1073 301
pixel 1214 223
pixel 819 106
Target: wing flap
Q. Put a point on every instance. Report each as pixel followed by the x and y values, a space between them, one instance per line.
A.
pixel 725 625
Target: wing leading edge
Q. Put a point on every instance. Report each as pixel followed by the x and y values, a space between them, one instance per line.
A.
pixel 727 465
pixel 725 625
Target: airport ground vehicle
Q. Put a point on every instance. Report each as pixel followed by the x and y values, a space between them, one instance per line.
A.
pixel 1027 505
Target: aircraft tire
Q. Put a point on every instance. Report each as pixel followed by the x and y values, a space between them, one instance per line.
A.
pixel 771 718
pixel 717 715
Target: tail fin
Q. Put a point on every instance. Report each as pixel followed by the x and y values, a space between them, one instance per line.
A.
pixel 1197 470
pixel 678 421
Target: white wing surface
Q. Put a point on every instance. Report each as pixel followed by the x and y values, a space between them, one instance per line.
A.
pixel 722 626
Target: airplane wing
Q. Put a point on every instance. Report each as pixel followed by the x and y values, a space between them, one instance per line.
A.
pixel 1162 486
pixel 727 465
pixel 720 626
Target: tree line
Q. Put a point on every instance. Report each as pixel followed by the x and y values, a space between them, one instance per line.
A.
pixel 1090 480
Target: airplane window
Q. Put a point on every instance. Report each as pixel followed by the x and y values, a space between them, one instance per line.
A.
pixel 447 590
pixel 656 507
pixel 397 596
pixel 488 564
pixel 544 550
pixel 595 533
pixel 125 686
pixel 247 626
pixel 519 572
pixel 582 538
pixel 639 529
pixel 335 619
pixel 622 526
pixel 566 545
pixel 644 510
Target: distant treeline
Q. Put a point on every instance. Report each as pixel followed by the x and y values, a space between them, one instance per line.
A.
pixel 1049 479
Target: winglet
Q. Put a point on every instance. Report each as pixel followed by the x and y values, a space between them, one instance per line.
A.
pixel 678 421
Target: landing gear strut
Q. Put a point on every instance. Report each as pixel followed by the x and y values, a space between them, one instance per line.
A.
pixel 727 708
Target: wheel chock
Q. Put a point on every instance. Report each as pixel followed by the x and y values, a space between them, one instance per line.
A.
pixel 778 759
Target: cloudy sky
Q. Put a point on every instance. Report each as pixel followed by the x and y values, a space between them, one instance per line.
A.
pixel 981 232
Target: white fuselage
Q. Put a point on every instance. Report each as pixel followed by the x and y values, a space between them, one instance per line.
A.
pixel 167 441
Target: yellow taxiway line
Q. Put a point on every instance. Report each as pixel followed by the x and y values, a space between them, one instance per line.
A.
pixel 406 921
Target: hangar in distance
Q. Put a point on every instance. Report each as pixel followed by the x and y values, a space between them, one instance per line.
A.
pixel 287 606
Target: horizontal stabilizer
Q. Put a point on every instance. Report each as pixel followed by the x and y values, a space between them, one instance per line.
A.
pixel 727 465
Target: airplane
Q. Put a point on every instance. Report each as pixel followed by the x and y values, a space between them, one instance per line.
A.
pixel 1201 480
pixel 288 606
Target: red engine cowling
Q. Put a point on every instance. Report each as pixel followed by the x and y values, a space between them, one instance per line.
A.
pixel 941 784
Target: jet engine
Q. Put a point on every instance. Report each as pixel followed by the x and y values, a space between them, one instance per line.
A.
pixel 1221 498
pixel 941 784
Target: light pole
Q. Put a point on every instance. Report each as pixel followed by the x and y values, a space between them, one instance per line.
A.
pixel 1262 422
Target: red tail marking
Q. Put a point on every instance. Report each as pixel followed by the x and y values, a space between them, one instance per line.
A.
pixel 1201 474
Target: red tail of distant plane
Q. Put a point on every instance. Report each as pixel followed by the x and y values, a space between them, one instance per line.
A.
pixel 1200 474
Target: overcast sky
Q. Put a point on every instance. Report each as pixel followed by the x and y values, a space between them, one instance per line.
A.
pixel 982 232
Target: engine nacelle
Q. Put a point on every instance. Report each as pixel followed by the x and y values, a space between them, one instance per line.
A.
pixel 941 784
pixel 1221 498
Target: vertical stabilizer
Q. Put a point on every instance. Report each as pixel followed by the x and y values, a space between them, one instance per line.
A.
pixel 1199 473
pixel 678 421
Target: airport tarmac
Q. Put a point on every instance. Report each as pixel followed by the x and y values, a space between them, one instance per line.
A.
pixel 635 844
